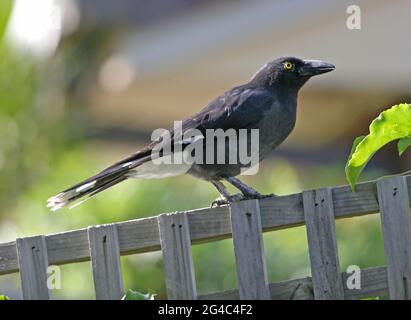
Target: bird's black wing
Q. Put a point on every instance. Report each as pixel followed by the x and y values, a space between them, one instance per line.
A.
pixel 239 108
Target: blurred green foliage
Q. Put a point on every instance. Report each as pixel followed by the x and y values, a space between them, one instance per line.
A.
pixel 43 150
pixel 5 10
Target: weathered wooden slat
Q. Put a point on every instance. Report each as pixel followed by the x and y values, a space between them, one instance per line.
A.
pixel 105 261
pixel 33 263
pixel 8 258
pixel 396 227
pixel 177 258
pixel 141 235
pixel 373 284
pixel 322 244
pixel 249 250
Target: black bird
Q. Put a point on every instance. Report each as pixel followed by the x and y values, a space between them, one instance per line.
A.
pixel 267 102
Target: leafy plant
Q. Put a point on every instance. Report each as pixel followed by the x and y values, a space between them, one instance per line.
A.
pixel 392 124
pixel 135 295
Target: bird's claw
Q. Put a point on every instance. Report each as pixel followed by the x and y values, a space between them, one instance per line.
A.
pixel 218 202
pixel 238 197
pixel 226 201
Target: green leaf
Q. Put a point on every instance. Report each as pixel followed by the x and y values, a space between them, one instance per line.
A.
pixel 353 172
pixel 403 144
pixel 3 297
pixel 391 124
pixel 135 295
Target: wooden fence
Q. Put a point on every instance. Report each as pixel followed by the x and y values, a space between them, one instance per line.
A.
pixel 244 221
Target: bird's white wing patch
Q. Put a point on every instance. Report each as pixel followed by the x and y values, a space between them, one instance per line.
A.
pixel 86 186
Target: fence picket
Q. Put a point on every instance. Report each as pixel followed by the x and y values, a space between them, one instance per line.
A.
pixel 105 261
pixel 322 244
pixel 178 262
pixel 396 226
pixel 249 250
pixel 33 263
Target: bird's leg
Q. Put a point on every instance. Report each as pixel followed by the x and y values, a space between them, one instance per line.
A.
pixel 247 191
pixel 225 198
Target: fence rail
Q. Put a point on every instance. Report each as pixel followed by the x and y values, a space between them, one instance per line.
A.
pixel 244 221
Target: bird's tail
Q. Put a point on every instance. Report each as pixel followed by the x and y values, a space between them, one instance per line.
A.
pixel 105 179
pixel 85 190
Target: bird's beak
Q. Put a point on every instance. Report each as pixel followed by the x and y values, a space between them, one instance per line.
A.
pixel 314 67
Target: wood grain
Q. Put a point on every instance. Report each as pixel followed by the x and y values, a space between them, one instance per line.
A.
pixel 105 261
pixel 396 227
pixel 249 250
pixel 33 263
pixel 177 257
pixel 322 245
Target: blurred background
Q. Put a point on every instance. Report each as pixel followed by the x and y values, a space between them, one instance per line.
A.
pixel 83 83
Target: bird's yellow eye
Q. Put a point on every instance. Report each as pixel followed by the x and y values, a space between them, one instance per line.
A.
pixel 288 65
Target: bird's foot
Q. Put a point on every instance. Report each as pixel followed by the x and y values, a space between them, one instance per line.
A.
pixel 221 201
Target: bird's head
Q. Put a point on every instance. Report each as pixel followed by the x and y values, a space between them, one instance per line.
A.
pixel 290 72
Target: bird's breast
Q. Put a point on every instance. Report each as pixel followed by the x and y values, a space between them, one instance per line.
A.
pixel 276 126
